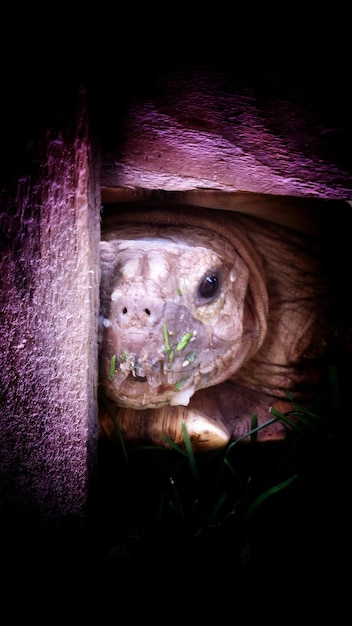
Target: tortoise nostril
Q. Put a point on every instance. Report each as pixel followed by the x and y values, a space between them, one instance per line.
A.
pixel 125 311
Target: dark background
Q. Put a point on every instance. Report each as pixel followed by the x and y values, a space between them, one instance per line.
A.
pixel 300 541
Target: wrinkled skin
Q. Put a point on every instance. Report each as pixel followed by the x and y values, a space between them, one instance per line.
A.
pixel 206 319
pixel 176 318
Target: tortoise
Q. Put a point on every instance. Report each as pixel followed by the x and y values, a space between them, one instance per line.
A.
pixel 210 319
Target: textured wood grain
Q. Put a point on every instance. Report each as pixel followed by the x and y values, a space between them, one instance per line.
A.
pixel 206 127
pixel 49 300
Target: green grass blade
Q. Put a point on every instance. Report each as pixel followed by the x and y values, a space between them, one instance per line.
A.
pixel 251 432
pixel 230 468
pixel 174 445
pixel 254 431
pixel 166 338
pixel 216 508
pixel 265 495
pixel 287 419
pixel 190 453
pixel 301 420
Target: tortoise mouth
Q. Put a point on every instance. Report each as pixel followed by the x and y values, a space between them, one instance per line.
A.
pixel 137 379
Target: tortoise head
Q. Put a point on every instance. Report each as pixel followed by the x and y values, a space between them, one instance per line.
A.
pixel 176 314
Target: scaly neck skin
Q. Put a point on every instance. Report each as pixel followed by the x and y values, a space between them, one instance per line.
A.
pixel 299 293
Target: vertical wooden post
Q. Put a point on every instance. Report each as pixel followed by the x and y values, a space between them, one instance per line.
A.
pixel 49 278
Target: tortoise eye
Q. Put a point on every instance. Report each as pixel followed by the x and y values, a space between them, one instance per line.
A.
pixel 209 286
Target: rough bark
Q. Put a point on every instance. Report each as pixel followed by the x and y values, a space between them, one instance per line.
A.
pixel 49 281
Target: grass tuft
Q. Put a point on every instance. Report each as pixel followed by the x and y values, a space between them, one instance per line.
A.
pixel 224 503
